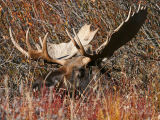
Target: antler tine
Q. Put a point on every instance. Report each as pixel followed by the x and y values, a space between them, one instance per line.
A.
pixel 41 41
pixel 39 47
pixel 44 44
pixel 129 14
pixel 139 6
pixel 142 8
pixel 36 54
pixel 73 40
pixel 119 27
pixel 17 45
pixel 133 13
pixel 78 45
pixel 27 41
pixel 82 51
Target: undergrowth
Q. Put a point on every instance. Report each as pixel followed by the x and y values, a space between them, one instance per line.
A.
pixel 132 90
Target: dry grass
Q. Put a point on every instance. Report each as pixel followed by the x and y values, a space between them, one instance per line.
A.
pixel 133 88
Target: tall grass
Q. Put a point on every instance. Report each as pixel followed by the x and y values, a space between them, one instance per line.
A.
pixel 132 90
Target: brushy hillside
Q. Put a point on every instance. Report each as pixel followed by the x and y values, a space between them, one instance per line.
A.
pixel 132 82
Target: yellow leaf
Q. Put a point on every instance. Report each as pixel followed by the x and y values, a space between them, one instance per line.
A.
pixel 114 87
pixel 93 0
pixel 100 115
pixel 30 24
pixel 0 9
pixel 151 46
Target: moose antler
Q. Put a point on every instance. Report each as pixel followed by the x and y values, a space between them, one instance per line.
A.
pixel 68 50
pixel 36 54
pixel 123 33
pixel 77 43
pixel 57 52
pixel 120 36
pixel 60 53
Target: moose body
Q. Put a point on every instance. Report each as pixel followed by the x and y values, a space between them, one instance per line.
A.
pixel 77 71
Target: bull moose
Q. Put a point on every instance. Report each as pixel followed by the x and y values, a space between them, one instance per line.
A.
pixel 76 58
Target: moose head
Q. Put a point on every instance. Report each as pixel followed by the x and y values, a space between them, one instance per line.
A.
pixel 77 57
